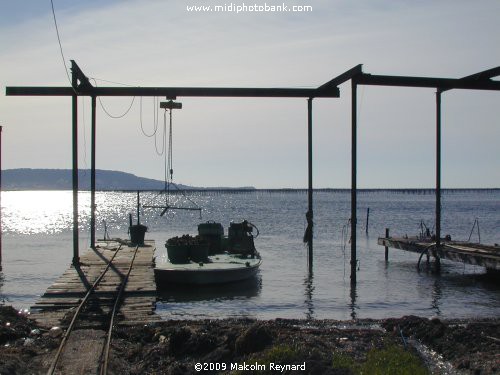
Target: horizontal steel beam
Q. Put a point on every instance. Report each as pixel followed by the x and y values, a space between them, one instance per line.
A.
pixel 437 83
pixel 176 91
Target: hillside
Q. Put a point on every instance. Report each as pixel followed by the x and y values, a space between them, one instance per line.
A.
pixel 61 179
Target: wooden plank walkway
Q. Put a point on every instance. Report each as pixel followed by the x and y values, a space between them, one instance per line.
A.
pixel 472 253
pixel 56 306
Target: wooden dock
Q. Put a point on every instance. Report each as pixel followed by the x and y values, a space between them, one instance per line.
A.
pixel 56 306
pixel 472 253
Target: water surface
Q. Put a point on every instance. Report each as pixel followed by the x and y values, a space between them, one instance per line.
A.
pixel 37 248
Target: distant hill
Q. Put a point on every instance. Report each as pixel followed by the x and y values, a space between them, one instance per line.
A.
pixel 61 179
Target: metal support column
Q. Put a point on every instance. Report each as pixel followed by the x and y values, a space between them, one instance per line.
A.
pixel 354 106
pixel 438 174
pixel 310 215
pixel 1 127
pixel 74 100
pixel 92 174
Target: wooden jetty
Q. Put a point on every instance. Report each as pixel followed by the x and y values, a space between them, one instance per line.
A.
pixel 57 305
pixel 487 256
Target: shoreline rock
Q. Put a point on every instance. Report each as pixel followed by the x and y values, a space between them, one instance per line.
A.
pixel 471 346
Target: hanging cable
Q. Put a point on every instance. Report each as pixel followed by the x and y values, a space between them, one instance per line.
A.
pixel 104 109
pixel 113 116
pixel 155 119
pixel 60 45
pixel 168 169
pixel 159 153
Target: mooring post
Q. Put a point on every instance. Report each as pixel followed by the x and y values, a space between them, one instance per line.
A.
pixel 438 176
pixel 353 178
pixel 74 100
pixel 367 217
pixel 310 215
pixel 138 206
pixel 92 174
pixel 386 247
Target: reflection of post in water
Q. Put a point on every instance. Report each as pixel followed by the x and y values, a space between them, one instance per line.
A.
pixel 354 296
pixel 308 292
pixel 437 293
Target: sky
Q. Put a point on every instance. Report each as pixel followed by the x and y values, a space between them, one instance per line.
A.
pixel 255 141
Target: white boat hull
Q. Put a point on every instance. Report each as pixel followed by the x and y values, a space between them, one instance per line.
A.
pixel 222 269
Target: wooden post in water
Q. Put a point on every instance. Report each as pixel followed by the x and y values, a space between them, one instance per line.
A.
pixel 367 217
pixel 353 178
pixel 74 101
pixel 92 174
pixel 386 248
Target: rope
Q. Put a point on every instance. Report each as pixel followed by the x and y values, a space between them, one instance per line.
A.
pixel 159 153
pixel 118 116
pixel 106 111
pixel 426 250
pixel 60 46
pixel 344 239
pixel 155 119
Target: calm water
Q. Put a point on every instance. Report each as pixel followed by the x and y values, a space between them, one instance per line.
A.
pixel 37 248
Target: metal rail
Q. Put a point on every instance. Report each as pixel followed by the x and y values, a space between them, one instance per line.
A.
pixel 105 352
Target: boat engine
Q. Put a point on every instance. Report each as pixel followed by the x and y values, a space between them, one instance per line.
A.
pixel 240 238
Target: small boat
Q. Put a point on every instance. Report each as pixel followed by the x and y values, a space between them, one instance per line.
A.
pixel 210 257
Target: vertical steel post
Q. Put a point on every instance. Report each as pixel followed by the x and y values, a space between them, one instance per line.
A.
pixel 74 100
pixel 310 181
pixel 386 247
pixel 138 207
pixel 92 174
pixel 438 174
pixel 1 128
pixel 367 218
pixel 353 177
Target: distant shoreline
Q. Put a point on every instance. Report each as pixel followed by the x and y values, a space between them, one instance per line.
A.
pixel 422 191
pixel 27 179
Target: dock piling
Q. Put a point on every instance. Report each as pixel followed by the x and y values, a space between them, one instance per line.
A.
pixel 353 177
pixel 74 101
pixel 92 174
pixel 367 218
pixel 386 247
pixel 1 127
pixel 310 215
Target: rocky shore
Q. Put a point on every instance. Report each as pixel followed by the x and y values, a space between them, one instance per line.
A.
pixel 407 345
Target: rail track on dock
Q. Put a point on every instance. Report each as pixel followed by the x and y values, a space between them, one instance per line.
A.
pixel 96 312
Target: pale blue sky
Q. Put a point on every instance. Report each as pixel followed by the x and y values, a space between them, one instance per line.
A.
pixel 259 142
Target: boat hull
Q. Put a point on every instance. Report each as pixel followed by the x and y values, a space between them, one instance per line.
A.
pixel 216 272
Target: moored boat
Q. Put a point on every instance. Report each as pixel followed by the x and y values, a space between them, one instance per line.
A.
pixel 210 257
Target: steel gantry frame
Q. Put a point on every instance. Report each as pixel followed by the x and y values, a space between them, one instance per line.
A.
pixel 479 81
pixel 81 86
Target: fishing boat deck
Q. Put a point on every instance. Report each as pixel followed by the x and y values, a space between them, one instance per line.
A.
pixel 472 253
pixel 217 262
pixel 57 305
